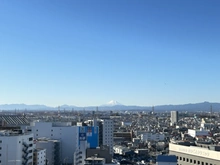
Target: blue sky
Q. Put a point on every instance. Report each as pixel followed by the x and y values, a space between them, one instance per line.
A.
pixel 145 52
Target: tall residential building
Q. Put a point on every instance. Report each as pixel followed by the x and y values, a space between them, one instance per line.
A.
pixel 174 117
pixel 16 148
pixel 106 133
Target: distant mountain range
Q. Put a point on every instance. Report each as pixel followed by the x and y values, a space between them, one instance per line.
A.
pixel 114 105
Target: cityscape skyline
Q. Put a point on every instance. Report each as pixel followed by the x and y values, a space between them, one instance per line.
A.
pixel 86 53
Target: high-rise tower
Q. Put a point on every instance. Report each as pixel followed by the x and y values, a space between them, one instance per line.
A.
pixel 174 117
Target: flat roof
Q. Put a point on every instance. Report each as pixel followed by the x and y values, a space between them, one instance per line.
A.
pixel 94 158
pixel 195 151
pixel 166 158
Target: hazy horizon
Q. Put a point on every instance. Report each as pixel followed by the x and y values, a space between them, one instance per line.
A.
pixel 104 104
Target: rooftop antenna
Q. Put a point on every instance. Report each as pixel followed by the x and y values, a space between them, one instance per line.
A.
pixel 79 118
pixel 58 110
pixel 97 109
pixel 210 116
pixel 93 114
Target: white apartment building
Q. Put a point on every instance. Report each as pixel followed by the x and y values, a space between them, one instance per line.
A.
pixel 106 128
pixel 64 132
pixel 39 157
pixel 16 148
pixel 152 136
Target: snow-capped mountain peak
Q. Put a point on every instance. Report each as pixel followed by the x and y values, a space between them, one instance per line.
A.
pixel 113 103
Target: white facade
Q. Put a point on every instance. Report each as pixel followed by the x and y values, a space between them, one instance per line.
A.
pixel 195 151
pixel 107 133
pixel 64 132
pixel 174 117
pixel 52 148
pixel 39 157
pixel 80 154
pixel 152 137
pixel 195 133
pixel 16 148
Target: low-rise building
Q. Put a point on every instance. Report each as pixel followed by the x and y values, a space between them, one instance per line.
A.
pixel 94 161
pixel 121 150
pixel 152 137
pixel 200 132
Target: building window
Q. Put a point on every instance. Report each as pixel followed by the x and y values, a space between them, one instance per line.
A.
pixel 191 161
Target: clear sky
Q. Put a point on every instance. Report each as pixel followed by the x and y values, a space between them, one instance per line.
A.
pixel 88 52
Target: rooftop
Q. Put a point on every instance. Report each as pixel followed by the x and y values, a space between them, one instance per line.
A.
pixel 166 158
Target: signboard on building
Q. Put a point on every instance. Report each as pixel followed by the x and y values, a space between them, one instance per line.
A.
pixel 89 131
pixel 82 136
pixel 82 130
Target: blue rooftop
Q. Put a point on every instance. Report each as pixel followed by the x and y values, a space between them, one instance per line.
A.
pixel 166 158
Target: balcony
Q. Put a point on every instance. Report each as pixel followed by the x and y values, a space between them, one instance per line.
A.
pixel 24 156
pixel 25 144
pixel 25 162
